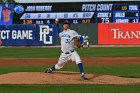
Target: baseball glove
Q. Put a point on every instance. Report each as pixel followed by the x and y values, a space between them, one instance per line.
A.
pixel 77 42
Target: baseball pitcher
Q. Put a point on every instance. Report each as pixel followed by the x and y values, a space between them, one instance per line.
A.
pixel 69 41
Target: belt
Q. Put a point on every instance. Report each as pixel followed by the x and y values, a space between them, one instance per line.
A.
pixel 68 52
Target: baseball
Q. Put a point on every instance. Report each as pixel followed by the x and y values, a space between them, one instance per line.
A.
pixel 56 20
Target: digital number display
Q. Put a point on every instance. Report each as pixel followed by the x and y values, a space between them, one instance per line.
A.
pixel 127 7
pixel 79 12
pixel 104 17
pixel 126 13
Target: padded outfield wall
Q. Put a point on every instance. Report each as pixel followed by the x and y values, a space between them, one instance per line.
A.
pixel 47 35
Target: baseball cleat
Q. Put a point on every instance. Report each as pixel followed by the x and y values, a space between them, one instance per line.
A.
pixel 48 70
pixel 84 77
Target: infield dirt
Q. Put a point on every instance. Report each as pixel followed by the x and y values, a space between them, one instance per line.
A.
pixel 86 61
pixel 62 78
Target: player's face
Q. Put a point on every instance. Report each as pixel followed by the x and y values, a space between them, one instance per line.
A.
pixel 6 12
pixel 66 26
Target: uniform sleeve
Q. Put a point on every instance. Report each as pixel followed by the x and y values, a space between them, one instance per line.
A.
pixel 75 34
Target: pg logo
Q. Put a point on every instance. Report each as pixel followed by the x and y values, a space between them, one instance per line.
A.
pixel 45 30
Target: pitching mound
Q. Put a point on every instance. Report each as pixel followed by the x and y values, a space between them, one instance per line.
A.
pixel 62 78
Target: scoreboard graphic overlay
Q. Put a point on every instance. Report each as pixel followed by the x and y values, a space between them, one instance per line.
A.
pixel 80 12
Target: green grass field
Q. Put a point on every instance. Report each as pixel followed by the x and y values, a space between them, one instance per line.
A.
pixel 55 52
pixel 69 88
pixel 121 70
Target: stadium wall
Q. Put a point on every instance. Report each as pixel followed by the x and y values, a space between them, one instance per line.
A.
pixel 47 35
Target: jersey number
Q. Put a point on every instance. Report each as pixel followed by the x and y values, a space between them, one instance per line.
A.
pixel 68 41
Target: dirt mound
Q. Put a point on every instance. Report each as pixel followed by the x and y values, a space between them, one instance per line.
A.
pixel 62 78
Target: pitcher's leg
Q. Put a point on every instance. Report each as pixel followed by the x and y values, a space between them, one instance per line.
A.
pixel 75 57
pixel 61 62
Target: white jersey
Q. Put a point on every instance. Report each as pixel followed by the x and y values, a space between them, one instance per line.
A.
pixel 67 43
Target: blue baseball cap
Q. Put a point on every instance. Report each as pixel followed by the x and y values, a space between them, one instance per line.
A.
pixel 6 6
pixel 66 22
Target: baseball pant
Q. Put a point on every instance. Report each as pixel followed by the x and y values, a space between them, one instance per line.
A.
pixel 64 58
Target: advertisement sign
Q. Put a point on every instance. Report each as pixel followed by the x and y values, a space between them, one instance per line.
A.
pixel 45 35
pixel 127 33
pixel 27 35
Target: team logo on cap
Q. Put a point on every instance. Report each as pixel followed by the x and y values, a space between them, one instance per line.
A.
pixel 6 5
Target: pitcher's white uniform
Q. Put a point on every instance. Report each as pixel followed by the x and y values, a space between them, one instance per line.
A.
pixel 68 51
pixel 68 48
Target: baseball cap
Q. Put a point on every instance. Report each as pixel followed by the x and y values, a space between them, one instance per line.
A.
pixel 6 6
pixel 66 22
